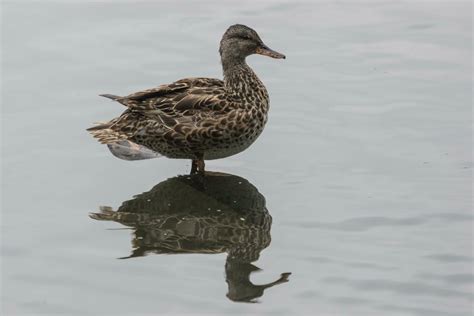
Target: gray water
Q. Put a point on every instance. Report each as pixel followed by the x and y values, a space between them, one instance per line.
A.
pixel 362 178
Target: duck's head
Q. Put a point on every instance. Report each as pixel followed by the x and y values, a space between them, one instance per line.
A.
pixel 240 41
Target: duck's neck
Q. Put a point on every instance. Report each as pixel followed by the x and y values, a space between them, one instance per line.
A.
pixel 230 60
pixel 241 80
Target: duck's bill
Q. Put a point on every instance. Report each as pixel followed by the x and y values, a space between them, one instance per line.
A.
pixel 266 51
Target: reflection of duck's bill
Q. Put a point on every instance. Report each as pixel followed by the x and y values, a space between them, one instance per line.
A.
pixel 247 292
pixel 284 277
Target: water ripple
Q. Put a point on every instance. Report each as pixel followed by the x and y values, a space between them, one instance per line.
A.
pixel 398 287
pixel 369 222
pixel 449 258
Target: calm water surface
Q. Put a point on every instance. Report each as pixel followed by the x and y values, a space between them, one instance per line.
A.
pixel 360 186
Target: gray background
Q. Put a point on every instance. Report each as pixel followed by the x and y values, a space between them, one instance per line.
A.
pixel 365 162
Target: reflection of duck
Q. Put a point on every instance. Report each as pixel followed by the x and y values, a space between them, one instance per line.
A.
pixel 189 214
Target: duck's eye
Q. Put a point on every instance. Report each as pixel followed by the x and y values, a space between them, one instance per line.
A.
pixel 242 37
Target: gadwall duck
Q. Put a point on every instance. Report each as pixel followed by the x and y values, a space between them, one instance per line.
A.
pixel 195 118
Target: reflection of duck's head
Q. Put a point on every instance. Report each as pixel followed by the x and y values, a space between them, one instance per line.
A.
pixel 189 214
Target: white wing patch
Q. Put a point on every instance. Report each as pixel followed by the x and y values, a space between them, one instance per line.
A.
pixel 128 150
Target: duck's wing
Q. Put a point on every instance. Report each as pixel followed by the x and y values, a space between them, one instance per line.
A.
pixel 180 111
pixel 183 97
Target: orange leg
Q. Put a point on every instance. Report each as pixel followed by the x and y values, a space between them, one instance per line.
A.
pixel 201 166
pixel 198 166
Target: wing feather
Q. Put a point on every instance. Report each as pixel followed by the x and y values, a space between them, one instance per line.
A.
pixel 181 111
pixel 178 97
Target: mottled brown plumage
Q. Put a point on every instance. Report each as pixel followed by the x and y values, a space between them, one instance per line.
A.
pixel 195 118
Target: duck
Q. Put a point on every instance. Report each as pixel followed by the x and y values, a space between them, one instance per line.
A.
pixel 195 118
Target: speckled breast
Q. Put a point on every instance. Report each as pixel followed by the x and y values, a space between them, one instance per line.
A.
pixel 233 145
pixel 232 139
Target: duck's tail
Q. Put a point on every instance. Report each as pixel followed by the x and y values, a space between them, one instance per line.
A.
pixel 119 99
pixel 110 96
pixel 105 134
